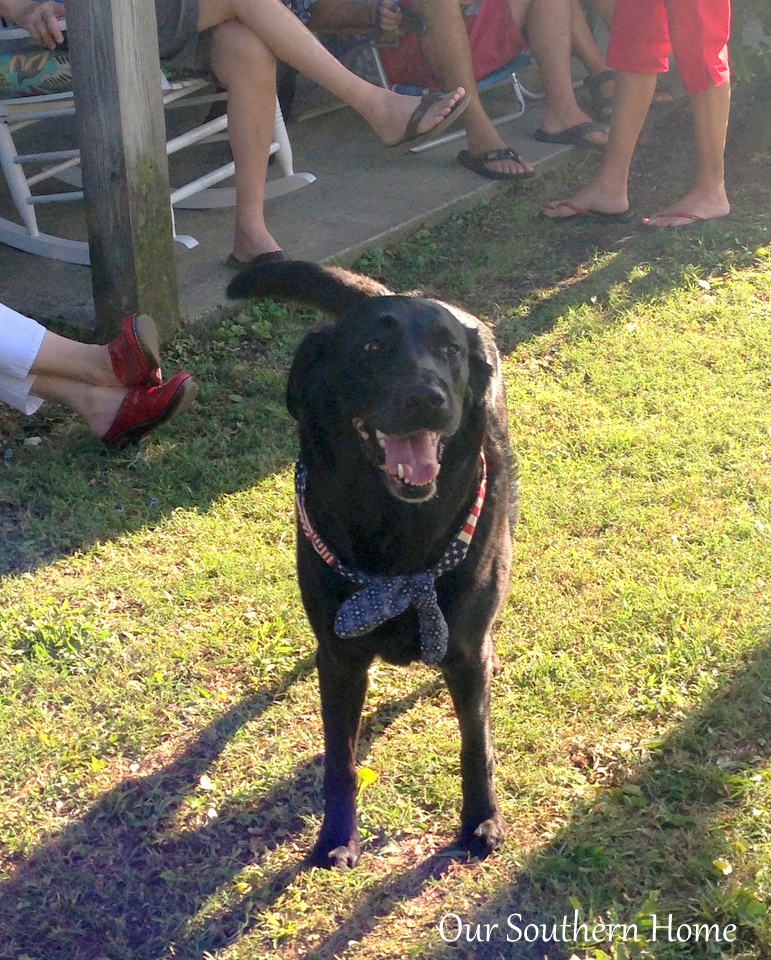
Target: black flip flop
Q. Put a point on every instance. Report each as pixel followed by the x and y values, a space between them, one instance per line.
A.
pixel 411 136
pixel 477 162
pixel 600 106
pixel 272 256
pixel 574 136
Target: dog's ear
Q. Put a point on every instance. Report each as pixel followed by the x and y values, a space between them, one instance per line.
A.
pixel 486 388
pixel 307 384
pixel 330 289
pixel 483 363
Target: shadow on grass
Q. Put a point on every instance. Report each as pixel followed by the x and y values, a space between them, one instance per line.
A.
pixel 127 882
pixel 124 883
pixel 657 828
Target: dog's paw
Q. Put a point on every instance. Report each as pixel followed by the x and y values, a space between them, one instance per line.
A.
pixel 480 841
pixel 335 855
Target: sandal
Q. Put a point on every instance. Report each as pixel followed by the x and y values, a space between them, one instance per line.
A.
pixel 582 212
pixel 411 136
pixel 599 106
pixel 575 136
pixel 478 163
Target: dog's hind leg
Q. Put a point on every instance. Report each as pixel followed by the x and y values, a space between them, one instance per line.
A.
pixel 343 686
pixel 468 678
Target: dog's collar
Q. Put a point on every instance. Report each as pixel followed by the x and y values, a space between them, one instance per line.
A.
pixel 384 597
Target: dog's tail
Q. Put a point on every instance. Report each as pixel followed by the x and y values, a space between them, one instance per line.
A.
pixel 331 289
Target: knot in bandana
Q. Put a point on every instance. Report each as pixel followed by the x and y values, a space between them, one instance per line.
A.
pixel 384 597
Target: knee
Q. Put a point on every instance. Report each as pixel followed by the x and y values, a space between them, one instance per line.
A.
pixel 237 52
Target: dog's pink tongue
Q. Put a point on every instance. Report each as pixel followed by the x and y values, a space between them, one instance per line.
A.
pixel 417 455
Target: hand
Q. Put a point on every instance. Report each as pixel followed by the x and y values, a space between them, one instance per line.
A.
pixel 41 21
pixel 386 16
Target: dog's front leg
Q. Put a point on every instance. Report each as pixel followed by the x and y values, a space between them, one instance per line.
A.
pixel 343 686
pixel 468 679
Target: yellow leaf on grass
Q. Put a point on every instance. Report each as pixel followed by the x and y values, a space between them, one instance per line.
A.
pixel 364 778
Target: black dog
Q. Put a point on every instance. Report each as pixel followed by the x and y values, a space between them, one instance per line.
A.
pixel 404 449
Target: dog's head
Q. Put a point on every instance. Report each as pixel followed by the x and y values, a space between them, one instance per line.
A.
pixel 394 378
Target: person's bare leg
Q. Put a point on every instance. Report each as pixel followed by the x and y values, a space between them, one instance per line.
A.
pixel 86 363
pixel 388 113
pixel 607 193
pixel 604 9
pixel 707 198
pixel 547 25
pixel 445 46
pixel 98 405
pixel 583 42
pixel 247 69
pixel 586 49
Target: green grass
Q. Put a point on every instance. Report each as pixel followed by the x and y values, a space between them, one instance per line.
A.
pixel 159 726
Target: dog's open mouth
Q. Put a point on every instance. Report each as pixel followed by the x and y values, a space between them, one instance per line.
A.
pixel 412 461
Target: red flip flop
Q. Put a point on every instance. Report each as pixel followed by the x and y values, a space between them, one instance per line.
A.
pixel 598 215
pixel 690 217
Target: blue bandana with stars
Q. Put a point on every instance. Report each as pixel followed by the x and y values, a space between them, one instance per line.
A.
pixel 384 597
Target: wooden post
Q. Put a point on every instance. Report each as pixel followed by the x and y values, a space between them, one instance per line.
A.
pixel 120 124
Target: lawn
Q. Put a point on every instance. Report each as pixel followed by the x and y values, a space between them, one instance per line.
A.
pixel 159 728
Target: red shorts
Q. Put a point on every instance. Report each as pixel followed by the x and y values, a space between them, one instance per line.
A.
pixel 644 33
pixel 493 38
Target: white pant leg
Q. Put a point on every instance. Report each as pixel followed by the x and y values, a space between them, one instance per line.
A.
pixel 20 339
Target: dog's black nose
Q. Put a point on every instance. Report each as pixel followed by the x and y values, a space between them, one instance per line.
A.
pixel 426 397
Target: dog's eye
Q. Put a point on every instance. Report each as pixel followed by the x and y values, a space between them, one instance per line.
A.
pixel 452 349
pixel 372 345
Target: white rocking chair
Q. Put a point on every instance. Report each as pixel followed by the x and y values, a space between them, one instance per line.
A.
pixel 35 86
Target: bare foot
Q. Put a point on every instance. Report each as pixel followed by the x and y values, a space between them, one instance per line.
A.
pixel 695 207
pixel 102 407
pixel 593 199
pixel 397 111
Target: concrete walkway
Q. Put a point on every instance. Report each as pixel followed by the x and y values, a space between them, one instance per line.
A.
pixel 365 195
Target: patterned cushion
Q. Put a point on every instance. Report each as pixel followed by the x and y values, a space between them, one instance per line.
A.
pixel 32 73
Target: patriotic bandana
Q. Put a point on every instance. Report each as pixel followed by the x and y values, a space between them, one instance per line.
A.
pixel 384 597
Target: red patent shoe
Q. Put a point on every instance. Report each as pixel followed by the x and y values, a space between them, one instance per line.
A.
pixel 134 354
pixel 145 408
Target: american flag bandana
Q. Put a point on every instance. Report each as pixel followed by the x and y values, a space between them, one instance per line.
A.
pixel 384 597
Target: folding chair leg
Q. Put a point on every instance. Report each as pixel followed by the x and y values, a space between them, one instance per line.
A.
pixel 379 65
